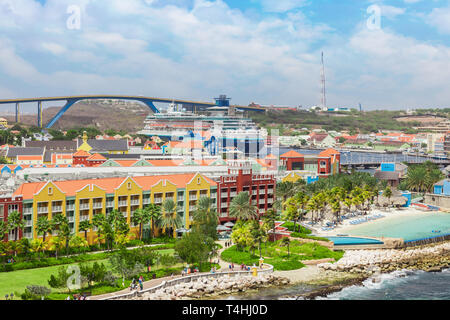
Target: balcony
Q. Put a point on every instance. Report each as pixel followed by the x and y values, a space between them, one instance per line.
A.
pixel 146 201
pixel 192 208
pixel 28 210
pixel 224 205
pixel 42 209
pixel 84 217
pixel 28 235
pixel 56 209
pixel 233 194
pixel 134 202
pixel 110 204
pixel 71 218
pixel 28 223
pixel 123 203
pixel 97 205
pixel 125 214
pixel 224 194
pixel 270 200
pixel 270 191
pixel 84 206
pixel 158 200
pixel 254 192
pixel 193 197
pixel 262 201
pixel 70 207
pixel 262 191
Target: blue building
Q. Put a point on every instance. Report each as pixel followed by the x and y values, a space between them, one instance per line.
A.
pixel 442 187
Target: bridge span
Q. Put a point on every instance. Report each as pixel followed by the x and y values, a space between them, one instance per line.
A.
pixel 149 101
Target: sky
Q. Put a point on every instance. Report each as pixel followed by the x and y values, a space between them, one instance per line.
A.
pixel 384 54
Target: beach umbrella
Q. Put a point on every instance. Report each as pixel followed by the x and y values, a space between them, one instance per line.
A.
pixel 229 224
pixel 222 228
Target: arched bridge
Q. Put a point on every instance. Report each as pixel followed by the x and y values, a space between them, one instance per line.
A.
pixel 149 101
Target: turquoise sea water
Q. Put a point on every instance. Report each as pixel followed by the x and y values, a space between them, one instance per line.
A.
pixel 352 240
pixel 409 228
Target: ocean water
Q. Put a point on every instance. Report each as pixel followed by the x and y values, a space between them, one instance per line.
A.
pixel 398 285
pixel 413 227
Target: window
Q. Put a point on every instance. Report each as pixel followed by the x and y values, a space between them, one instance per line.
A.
pixel 198 180
pixel 129 185
pixel 50 190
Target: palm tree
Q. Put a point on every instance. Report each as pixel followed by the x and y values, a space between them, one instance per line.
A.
pixel 285 190
pixel 84 226
pixel 61 225
pixel 38 246
pixel 170 218
pixel 388 193
pixel 286 242
pixel 242 209
pixel 154 213
pixel 3 229
pixel 15 223
pixel 206 218
pixel 43 226
pixel 313 206
pixel 56 243
pixel 140 217
pixel 97 221
pixel 336 208
pixel 269 220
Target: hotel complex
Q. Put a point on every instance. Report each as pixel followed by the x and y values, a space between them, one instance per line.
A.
pixel 103 176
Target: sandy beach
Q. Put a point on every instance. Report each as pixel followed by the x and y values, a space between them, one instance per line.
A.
pixel 390 214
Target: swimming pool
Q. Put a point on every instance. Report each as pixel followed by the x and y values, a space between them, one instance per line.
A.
pixel 345 241
pixel 416 226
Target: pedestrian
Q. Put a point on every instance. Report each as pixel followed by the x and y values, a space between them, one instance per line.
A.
pixel 232 266
pixel 229 267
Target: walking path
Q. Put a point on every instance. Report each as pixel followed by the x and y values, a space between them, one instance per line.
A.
pixel 154 282
pixel 147 284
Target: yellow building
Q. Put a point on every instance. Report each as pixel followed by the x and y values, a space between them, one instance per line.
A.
pixel 102 146
pixel 80 200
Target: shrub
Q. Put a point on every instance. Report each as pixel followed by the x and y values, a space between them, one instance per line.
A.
pixel 304 236
pixel 298 228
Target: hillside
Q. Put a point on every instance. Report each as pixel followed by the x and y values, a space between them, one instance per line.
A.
pixel 369 121
pixel 129 118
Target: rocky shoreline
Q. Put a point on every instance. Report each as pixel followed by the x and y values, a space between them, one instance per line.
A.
pixel 205 288
pixel 427 258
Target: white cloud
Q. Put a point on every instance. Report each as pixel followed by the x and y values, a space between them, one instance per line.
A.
pixel 282 5
pixel 54 48
pixel 200 49
pixel 440 19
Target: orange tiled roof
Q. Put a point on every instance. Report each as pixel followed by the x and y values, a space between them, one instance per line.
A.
pixel 270 157
pixel 71 187
pixel 81 153
pixel 29 158
pixel 292 154
pixel 328 152
pixel 96 157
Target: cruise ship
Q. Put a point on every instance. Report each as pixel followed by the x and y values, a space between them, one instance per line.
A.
pixel 217 126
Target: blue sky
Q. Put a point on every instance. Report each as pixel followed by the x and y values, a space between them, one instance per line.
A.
pixel 263 51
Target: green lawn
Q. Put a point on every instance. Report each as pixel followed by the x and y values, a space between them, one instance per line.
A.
pixel 17 281
pixel 277 255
